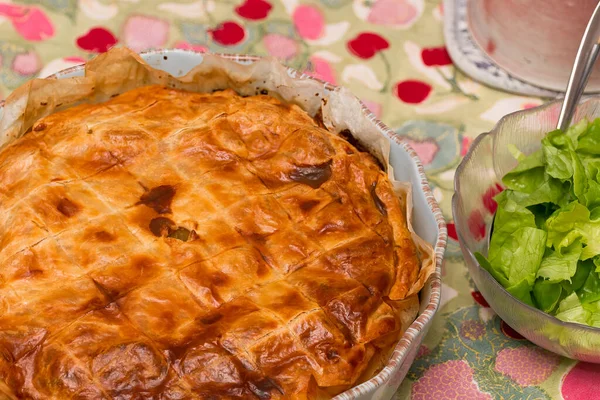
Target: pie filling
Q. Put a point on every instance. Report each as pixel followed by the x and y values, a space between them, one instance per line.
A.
pixel 172 245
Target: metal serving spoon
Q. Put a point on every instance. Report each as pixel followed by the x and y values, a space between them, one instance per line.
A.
pixel 582 68
pixel 587 54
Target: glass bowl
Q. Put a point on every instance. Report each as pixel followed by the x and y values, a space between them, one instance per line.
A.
pixel 477 179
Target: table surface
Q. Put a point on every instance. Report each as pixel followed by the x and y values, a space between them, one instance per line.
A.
pixel 391 54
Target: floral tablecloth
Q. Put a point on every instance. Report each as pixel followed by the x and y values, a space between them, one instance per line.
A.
pixel 391 54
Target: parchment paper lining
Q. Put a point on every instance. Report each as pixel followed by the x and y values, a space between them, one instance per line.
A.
pixel 120 70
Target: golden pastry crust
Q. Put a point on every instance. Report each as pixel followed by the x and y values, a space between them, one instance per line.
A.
pixel 168 244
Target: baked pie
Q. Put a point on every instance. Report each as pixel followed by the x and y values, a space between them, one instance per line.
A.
pixel 168 244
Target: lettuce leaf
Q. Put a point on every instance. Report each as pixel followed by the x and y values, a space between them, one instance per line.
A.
pixel 590 291
pixel 588 141
pixel 585 187
pixel 581 274
pixel 544 190
pixel 547 294
pixel 545 245
pixel 517 245
pixel 522 291
pixel 594 310
pixel 485 264
pixel 557 155
pixel 558 266
pixel 575 131
pixel 570 309
pixel 529 184
pixel 573 223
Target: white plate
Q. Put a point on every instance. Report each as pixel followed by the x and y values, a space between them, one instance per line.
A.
pixel 472 60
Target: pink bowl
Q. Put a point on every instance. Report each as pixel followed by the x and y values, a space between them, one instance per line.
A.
pixel 534 40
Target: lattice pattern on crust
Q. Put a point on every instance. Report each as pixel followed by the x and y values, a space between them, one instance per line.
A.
pixel 182 245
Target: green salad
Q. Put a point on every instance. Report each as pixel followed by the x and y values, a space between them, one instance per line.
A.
pixel 545 244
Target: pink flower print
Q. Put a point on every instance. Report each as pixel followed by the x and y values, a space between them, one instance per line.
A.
pixel 309 22
pixel 426 149
pixel 581 382
pixel 188 46
pixel 30 22
pixel 465 145
pixel 449 380
pixel 75 59
pixel 392 13
pixel 374 107
pixel 423 351
pixel 321 69
pixel 529 105
pixel 472 330
pixel 527 365
pixel 141 32
pixel 26 63
pixel 280 46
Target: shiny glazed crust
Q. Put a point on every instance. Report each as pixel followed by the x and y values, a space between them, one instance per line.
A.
pixel 170 245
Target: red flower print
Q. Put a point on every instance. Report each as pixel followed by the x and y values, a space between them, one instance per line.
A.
pixel 479 299
pixel 228 33
pixel 367 44
pixel 254 9
pixel 476 225
pixel 435 56
pixel 510 332
pixel 452 231
pixel 97 40
pixel 488 198
pixel 412 91
pixel 581 382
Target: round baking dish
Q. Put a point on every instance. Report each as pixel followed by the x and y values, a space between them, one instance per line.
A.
pixel 427 218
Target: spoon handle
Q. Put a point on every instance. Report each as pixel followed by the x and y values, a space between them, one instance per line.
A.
pixel 587 54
